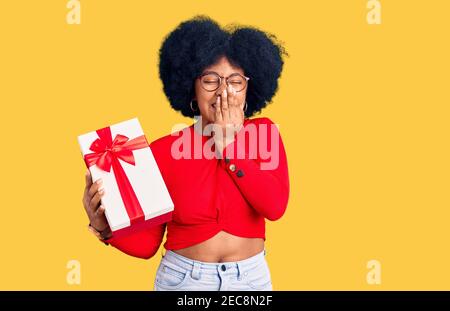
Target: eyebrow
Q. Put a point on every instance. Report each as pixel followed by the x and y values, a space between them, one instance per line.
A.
pixel 210 71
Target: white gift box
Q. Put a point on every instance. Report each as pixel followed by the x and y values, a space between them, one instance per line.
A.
pixel 142 181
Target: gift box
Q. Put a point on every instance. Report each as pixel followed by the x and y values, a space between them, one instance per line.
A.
pixel 136 196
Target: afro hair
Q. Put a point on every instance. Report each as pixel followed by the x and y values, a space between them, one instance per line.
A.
pixel 200 42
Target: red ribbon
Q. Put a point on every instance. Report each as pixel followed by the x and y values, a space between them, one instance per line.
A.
pixel 107 154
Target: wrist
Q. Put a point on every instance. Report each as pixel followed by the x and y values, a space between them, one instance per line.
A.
pixel 224 138
pixel 102 235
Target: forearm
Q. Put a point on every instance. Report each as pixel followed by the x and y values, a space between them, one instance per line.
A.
pixel 142 244
pixel 265 192
pixel 265 185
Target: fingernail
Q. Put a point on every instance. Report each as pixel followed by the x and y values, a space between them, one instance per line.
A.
pixel 99 182
pixel 101 191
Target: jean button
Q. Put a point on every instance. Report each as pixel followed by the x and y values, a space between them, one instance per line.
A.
pixel 223 268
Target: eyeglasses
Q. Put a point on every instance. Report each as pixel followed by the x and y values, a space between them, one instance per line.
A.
pixel 211 81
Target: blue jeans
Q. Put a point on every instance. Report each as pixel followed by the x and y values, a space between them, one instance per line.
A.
pixel 176 272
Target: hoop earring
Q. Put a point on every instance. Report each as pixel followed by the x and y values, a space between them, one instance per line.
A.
pixel 245 107
pixel 191 107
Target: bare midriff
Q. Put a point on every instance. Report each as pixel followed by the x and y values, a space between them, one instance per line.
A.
pixel 223 247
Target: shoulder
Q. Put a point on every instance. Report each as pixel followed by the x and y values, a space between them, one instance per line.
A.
pixel 261 120
pixel 263 129
pixel 262 125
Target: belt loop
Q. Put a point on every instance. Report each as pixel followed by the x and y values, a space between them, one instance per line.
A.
pixel 239 269
pixel 196 270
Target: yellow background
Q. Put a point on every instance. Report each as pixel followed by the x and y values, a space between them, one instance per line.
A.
pixel 363 111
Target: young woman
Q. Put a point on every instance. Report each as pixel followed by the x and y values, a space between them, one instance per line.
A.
pixel 215 241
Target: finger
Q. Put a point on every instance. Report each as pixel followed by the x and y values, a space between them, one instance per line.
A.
pixel 232 104
pixel 233 100
pixel 88 178
pixel 238 116
pixel 94 204
pixel 225 108
pixel 241 118
pixel 95 186
pixel 232 97
pixel 219 91
pixel 218 112
pixel 234 107
pixel 237 101
pixel 242 105
pixel 100 211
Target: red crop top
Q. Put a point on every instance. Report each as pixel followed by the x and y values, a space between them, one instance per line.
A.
pixel 232 193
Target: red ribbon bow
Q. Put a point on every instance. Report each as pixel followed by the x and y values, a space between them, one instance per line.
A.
pixel 107 154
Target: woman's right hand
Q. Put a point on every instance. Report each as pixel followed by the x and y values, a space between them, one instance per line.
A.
pixel 93 193
pixel 229 116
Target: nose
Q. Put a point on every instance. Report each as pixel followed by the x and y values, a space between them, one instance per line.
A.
pixel 222 87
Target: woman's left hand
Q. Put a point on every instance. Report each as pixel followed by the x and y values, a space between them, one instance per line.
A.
pixel 229 117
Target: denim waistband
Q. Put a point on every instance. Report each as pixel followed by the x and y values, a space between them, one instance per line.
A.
pixel 212 267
